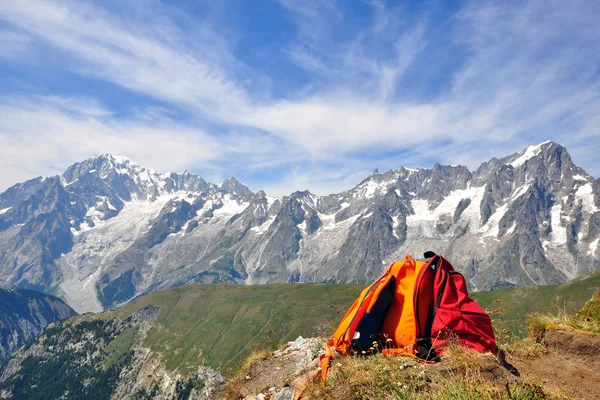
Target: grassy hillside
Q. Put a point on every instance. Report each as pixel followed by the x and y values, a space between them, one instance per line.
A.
pixel 223 323
pixel 513 304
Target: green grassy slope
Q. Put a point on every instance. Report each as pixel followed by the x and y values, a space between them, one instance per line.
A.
pixel 516 303
pixel 222 323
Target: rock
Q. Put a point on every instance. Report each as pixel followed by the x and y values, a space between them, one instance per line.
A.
pixel 295 363
pixel 287 393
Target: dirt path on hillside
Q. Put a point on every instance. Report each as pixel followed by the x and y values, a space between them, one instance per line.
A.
pixel 571 366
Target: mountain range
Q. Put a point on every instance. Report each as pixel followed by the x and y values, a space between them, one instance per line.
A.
pixel 108 230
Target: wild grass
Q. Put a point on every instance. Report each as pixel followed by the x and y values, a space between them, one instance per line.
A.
pixel 380 377
pixel 539 323
pixel 527 347
pixel 510 307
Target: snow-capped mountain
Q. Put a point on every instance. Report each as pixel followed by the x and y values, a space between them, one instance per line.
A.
pixel 108 229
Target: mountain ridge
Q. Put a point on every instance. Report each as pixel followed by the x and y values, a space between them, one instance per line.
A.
pixel 23 315
pixel 108 229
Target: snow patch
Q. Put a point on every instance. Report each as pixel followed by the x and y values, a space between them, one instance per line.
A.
pixel 528 153
pixel 585 194
pixel 122 160
pixel 70 183
pixel 424 217
pixel 395 225
pixel 329 223
pixel 421 209
pixel 370 189
pixel 511 230
pixel 520 192
pixel 2 211
pixel 231 207
pixel 558 236
pixel 303 227
pixel 271 200
pixel 593 246
pixel 264 227
pixel 491 226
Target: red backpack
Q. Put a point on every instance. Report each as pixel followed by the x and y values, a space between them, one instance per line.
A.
pixel 454 313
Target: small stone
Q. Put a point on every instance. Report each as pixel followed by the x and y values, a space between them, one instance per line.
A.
pixel 285 394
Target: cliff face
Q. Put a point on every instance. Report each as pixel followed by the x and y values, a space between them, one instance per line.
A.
pixel 23 315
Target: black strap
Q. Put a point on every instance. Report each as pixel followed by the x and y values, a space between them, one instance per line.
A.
pixel 429 254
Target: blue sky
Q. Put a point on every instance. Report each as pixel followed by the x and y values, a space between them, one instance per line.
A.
pixel 294 94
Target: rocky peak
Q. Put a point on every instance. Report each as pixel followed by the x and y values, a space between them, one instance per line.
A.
pixel 101 165
pixel 292 210
pixel 441 180
pixel 236 188
pixel 298 194
pixel 549 155
pixel 19 192
pixel 186 181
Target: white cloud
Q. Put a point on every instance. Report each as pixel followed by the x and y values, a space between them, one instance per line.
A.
pixel 43 137
pixel 530 75
pixel 154 59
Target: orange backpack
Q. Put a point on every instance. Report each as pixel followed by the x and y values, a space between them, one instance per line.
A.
pixel 396 315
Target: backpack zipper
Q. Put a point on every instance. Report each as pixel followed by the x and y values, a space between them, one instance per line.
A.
pixel 442 288
pixel 475 313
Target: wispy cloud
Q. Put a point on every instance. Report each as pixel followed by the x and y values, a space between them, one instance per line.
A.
pixel 499 76
pixel 152 59
pixel 43 135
